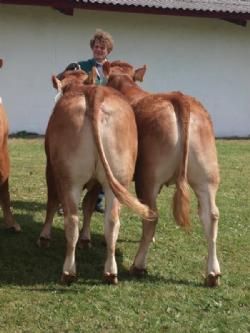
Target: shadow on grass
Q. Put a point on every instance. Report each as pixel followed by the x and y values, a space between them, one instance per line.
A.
pixel 152 278
pixel 28 206
pixel 23 263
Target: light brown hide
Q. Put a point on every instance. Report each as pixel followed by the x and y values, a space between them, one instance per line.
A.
pixel 176 145
pixel 91 140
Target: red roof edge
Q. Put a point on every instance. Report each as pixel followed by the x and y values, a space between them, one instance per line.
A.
pixel 67 7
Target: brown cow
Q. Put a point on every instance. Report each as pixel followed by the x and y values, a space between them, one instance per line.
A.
pixel 5 170
pixel 176 145
pixel 91 139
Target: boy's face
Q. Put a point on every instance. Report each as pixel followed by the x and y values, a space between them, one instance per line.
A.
pixel 100 51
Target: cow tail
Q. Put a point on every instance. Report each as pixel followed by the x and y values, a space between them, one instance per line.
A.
pixel 181 200
pixel 121 193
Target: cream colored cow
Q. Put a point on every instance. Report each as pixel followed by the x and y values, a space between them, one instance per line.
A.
pixel 176 145
pixel 91 140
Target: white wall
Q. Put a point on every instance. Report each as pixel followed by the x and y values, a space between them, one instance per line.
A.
pixel 207 58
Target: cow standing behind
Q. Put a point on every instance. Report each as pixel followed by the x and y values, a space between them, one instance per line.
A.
pixel 91 140
pixel 5 171
pixel 176 145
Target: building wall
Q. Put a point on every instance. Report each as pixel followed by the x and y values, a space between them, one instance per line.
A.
pixel 206 58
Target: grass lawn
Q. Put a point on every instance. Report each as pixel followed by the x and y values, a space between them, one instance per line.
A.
pixel 170 299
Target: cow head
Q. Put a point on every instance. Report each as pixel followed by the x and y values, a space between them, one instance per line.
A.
pixel 72 77
pixel 123 68
pixel 1 63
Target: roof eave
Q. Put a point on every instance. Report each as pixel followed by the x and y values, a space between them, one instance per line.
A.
pixel 67 7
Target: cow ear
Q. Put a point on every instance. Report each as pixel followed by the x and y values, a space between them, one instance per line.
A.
pixel 91 79
pixel 106 69
pixel 1 63
pixel 57 84
pixel 139 73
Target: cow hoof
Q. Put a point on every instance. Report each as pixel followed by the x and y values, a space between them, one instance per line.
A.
pixel 15 228
pixel 84 244
pixel 43 242
pixel 212 280
pixel 138 272
pixel 67 279
pixel 110 279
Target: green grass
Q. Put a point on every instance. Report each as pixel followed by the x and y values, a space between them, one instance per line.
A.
pixel 170 299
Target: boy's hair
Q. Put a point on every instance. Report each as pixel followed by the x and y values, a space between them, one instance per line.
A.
pixel 102 37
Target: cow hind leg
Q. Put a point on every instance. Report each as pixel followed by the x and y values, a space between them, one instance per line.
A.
pixel 88 206
pixel 8 218
pixel 111 231
pixel 71 228
pixel 209 216
pixel 148 196
pixel 52 206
